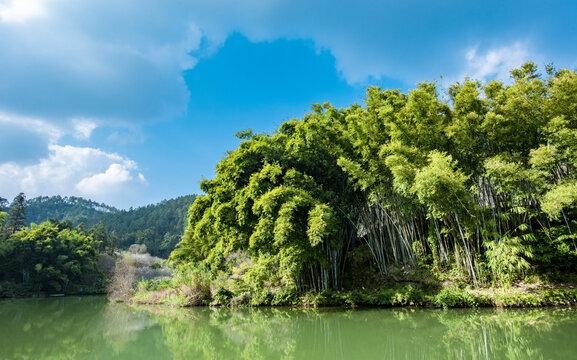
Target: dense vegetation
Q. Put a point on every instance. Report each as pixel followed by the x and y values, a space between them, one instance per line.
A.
pixel 159 226
pixel 75 209
pixel 50 257
pixel 63 255
pixel 476 185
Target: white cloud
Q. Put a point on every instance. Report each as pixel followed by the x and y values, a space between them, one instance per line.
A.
pixel 83 128
pixel 496 63
pixel 27 138
pixel 115 177
pixel 79 171
pixel 50 131
pixel 21 10
pixel 122 61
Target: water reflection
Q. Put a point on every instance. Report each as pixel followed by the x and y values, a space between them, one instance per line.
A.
pixel 93 328
pixel 77 328
pixel 369 334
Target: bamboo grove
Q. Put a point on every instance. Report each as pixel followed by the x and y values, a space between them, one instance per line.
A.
pixel 478 180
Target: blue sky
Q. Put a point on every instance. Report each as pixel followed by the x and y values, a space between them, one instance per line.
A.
pixel 132 102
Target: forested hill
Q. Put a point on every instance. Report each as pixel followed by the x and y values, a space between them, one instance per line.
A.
pixel 75 209
pixel 158 226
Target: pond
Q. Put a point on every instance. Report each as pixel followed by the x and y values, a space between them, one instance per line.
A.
pixel 93 328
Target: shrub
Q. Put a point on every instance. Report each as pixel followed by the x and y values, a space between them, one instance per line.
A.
pixel 241 300
pixel 507 258
pixel 222 296
pixel 261 297
pixel 357 298
pixel 454 298
pixel 193 285
pixel 284 296
pixel 409 295
pixel 123 282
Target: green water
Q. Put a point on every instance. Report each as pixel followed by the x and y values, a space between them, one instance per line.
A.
pixel 93 328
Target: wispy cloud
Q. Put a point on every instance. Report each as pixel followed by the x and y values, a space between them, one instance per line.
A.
pixel 80 171
pixel 113 62
pixel 496 63
pixel 52 132
pixel 83 128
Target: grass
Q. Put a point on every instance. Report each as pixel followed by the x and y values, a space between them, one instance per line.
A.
pixel 200 292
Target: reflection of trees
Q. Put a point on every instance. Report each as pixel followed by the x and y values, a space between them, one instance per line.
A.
pixel 92 328
pixel 75 328
pixel 48 328
pixel 512 333
pixel 129 334
pixel 288 333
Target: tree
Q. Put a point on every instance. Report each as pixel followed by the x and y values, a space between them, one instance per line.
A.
pixel 50 258
pixel 3 203
pixel 16 219
pixel 416 178
pixel 3 216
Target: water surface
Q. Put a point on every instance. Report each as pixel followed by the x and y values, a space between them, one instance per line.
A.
pixel 93 328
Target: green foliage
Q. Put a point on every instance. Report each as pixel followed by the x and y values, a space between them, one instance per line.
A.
pixel 440 187
pixel 48 258
pixel 560 297
pixel 561 196
pixel 222 296
pixel 472 183
pixel 507 258
pixel 285 297
pixel 188 286
pixel 274 199
pixel 75 209
pixel 3 217
pixel 555 251
pixel 159 227
pixel 153 284
pixel 279 296
pixel 454 298
pixel 16 218
pixel 3 204
pixel 386 296
pixel 314 299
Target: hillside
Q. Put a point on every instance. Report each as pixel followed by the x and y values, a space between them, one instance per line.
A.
pixel 158 226
pixel 76 209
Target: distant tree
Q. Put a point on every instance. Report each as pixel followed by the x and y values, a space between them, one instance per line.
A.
pixel 3 204
pixel 3 216
pixel 101 238
pixel 61 225
pixel 75 209
pixel 158 226
pixel 112 240
pixel 16 219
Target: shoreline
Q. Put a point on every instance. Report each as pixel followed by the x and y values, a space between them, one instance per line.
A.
pixel 447 298
pixel 514 297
